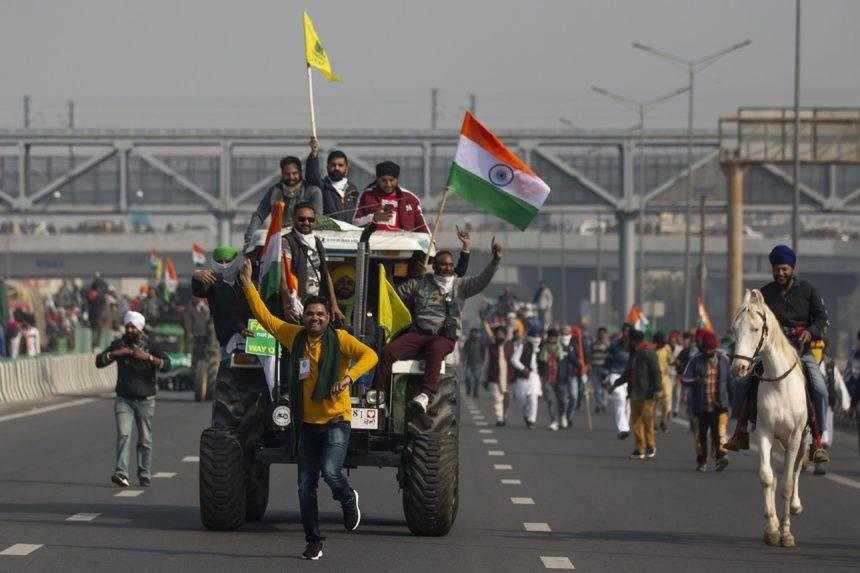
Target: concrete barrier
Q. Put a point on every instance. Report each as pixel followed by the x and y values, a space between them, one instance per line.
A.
pixel 24 379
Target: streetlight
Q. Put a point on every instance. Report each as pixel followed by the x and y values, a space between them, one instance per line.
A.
pixel 795 206
pixel 641 108
pixel 692 67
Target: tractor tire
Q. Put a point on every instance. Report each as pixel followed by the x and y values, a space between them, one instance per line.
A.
pixel 221 480
pixel 256 491
pixel 431 464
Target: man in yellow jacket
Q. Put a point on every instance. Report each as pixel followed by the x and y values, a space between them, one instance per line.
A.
pixel 323 363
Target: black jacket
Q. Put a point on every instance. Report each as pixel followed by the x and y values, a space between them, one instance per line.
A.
pixel 228 307
pixel 642 374
pixel 135 378
pixel 799 306
pixel 299 260
pixel 334 206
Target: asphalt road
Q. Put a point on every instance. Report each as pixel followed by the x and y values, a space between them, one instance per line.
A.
pixel 591 508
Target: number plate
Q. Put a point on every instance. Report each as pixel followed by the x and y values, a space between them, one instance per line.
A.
pixel 365 418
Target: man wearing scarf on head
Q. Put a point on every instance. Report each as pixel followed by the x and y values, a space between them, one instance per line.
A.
pixel 241 396
pixel 138 362
pixel 707 378
pixel 802 316
pixel 388 205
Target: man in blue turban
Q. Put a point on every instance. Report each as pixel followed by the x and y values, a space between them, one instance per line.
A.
pixel 802 315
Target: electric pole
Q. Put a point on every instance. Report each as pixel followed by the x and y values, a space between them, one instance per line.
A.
pixel 473 104
pixel 434 108
pixel 26 112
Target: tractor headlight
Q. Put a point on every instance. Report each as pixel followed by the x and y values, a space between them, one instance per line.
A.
pixel 281 416
pixel 372 397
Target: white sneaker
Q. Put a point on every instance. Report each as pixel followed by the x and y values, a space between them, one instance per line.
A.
pixel 564 423
pixel 554 426
pixel 421 401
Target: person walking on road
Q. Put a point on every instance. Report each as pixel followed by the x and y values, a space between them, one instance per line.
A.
pixel 838 398
pixel 323 363
pixel 552 367
pixel 527 391
pixel 500 373
pixel 597 357
pixel 138 361
pixel 642 377
pixel 707 377
pixel 664 359
pixel 543 299
pixel 618 356
pixel 852 382
pixel 474 357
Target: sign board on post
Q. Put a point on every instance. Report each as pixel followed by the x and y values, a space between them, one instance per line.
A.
pixel 261 343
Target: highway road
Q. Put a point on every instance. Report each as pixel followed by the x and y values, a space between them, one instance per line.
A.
pixel 530 501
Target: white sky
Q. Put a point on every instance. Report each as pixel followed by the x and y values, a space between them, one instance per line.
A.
pixel 196 63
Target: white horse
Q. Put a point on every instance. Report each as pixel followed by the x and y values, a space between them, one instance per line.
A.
pixel 781 407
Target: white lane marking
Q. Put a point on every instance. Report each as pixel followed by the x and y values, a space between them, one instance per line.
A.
pixel 485 431
pixel 164 475
pixel 522 501
pixel 191 459
pixel 45 410
pixel 512 482
pixel 83 517
pixel 129 493
pixel 490 441
pixel 20 549
pixel 681 422
pixel 481 424
pixel 556 562
pixel 843 480
pixel 497 453
pixel 479 418
pixel 537 527
pixel 503 466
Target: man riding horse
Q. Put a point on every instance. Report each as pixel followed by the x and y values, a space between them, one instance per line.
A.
pixel 802 317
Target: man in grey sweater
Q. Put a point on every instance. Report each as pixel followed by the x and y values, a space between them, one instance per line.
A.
pixel 435 301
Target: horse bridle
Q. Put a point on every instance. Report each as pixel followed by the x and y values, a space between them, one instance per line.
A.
pixel 754 359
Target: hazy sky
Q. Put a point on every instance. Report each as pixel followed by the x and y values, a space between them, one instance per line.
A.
pixel 213 63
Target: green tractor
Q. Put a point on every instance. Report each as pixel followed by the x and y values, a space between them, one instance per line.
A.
pixel 424 451
pixel 172 339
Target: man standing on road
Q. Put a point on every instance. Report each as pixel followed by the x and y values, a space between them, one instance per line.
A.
pixel 138 361
pixel 597 373
pixel 500 373
pixel 291 189
pixel 198 324
pixel 339 194
pixel 553 372
pixel 664 359
pixel 838 398
pixel 617 359
pixel 643 380
pixel 474 357
pixel 323 363
pixel 543 299
pixel 852 381
pixel 707 376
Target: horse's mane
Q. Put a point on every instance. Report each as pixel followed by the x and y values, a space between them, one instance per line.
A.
pixel 755 303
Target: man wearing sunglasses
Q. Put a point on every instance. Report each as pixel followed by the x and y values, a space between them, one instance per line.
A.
pixel 308 261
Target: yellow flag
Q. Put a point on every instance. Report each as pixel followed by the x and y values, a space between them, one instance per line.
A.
pixel 393 314
pixel 315 52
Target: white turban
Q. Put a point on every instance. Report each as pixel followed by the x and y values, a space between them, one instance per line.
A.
pixel 135 319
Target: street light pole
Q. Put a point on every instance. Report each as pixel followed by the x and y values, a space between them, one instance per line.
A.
pixel 795 207
pixel 692 67
pixel 641 108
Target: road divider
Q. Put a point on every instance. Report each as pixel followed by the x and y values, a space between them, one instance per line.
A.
pixel 38 377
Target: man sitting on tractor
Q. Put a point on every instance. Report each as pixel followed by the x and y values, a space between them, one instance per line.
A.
pixel 435 301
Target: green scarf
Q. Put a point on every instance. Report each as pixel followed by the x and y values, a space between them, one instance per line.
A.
pixel 329 365
pixel 556 348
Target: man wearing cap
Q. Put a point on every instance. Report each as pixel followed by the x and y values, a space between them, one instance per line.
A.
pixel 707 378
pixel 802 316
pixel 339 194
pixel 643 380
pixel 388 205
pixel 138 361
pixel 291 189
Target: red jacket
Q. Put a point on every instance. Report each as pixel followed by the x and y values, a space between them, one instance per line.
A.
pixel 407 216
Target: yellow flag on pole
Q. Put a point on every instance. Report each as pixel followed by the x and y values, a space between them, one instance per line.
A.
pixel 315 54
pixel 393 315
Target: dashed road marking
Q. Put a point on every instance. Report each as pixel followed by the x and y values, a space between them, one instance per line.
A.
pixel 191 459
pixel 481 424
pixel 512 482
pixel 556 562
pixel 45 409
pixel 490 441
pixel 164 475
pixel 83 517
pixel 485 431
pixel 843 480
pixel 543 527
pixel 496 453
pixel 129 493
pixel 503 466
pixel 20 549
pixel 522 501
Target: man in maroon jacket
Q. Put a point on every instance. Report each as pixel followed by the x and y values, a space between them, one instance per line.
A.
pixel 500 372
pixel 388 205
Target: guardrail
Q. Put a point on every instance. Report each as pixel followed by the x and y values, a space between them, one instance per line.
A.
pixel 25 379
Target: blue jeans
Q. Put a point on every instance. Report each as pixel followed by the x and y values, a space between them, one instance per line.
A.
pixel 138 411
pixel 819 388
pixel 322 448
pixel 573 397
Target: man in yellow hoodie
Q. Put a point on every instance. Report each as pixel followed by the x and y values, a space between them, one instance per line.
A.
pixel 323 363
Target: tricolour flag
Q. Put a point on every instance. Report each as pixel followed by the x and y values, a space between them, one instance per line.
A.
pixel 198 255
pixel 171 280
pixel 704 317
pixel 157 265
pixel 315 53
pixel 637 318
pixel 489 176
pixel 270 279
pixel 393 314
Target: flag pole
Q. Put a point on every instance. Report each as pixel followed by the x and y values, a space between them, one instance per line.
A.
pixel 436 224
pixel 311 102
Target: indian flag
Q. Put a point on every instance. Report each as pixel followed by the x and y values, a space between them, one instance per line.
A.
pixel 489 176
pixel 637 318
pixel 270 279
